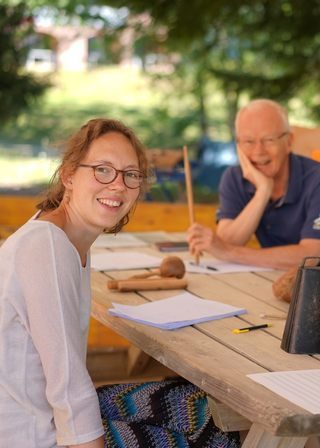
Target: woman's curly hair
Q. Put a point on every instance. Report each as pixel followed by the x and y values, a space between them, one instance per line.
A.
pixel 75 150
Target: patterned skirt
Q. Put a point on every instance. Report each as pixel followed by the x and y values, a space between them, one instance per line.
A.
pixel 163 414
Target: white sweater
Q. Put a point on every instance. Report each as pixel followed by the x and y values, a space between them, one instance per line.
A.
pixel 47 398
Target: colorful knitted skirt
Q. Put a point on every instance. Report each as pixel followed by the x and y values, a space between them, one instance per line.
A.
pixel 164 414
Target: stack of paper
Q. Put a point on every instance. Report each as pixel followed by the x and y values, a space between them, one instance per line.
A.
pixel 118 240
pixel 221 267
pixel 175 312
pixel 301 387
pixel 113 261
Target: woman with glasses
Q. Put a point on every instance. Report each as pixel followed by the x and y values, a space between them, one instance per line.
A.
pixel 47 398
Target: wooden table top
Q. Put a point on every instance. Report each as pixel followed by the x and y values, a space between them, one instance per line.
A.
pixel 211 356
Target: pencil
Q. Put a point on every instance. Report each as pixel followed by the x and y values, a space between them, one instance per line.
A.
pixel 254 327
pixel 188 179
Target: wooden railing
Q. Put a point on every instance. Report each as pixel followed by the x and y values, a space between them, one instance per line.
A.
pixel 148 216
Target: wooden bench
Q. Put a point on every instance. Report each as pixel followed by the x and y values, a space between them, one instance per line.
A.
pixel 306 141
pixel 148 216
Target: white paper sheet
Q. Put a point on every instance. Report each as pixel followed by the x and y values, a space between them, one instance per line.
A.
pixel 112 261
pixel 175 312
pixel 118 240
pixel 301 387
pixel 221 267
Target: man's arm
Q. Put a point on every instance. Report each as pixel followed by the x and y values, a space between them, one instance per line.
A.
pixel 202 239
pixel 280 257
pixel 239 230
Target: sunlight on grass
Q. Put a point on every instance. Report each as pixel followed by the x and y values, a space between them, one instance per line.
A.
pixel 122 86
pixel 160 115
pixel 25 172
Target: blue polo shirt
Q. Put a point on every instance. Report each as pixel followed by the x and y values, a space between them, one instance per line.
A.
pixel 293 217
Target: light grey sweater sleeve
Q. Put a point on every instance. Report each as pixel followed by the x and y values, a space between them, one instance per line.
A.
pixel 56 289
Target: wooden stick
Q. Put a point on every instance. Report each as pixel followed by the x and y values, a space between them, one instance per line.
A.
pixel 148 284
pixel 188 179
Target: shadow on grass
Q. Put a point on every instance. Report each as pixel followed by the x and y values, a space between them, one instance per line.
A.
pixel 48 126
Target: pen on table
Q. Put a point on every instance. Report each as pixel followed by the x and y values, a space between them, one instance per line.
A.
pixel 254 327
pixel 212 268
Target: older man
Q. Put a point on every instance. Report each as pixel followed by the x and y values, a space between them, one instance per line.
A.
pixel 273 194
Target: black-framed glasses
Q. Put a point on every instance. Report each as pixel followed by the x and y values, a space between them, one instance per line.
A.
pixel 266 142
pixel 106 174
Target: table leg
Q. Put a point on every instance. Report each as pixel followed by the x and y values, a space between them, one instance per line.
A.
pixel 260 438
pixel 225 418
pixel 137 360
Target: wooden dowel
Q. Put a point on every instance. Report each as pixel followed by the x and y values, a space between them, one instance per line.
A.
pixel 147 284
pixel 188 179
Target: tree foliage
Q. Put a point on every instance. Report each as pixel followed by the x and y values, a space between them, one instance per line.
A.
pixel 267 48
pixel 18 90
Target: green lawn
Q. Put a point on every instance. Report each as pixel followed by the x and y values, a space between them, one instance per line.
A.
pixel 159 118
pixel 122 93
pixel 25 172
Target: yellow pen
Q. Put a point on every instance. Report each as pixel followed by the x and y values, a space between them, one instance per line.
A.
pixel 254 327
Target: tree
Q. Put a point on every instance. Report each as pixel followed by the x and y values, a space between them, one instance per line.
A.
pixel 18 90
pixel 267 48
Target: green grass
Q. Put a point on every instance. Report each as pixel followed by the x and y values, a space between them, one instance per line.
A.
pixel 26 171
pixel 121 93
pixel 161 117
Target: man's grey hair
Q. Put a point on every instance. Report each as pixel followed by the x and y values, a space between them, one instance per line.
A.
pixel 261 103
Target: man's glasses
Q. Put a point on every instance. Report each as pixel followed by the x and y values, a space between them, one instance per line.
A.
pixel 105 174
pixel 266 142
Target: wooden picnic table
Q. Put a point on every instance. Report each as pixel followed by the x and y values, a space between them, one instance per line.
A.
pixel 211 356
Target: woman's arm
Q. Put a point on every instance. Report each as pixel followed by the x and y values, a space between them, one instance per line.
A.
pixel 98 443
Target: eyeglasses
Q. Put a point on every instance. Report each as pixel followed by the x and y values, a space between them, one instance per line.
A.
pixel 106 174
pixel 266 142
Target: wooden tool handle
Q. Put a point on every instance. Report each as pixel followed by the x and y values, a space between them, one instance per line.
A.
pixel 146 274
pixel 151 284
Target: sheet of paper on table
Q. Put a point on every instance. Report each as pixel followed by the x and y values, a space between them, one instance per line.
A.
pixel 113 261
pixel 118 240
pixel 208 266
pixel 175 312
pixel 301 387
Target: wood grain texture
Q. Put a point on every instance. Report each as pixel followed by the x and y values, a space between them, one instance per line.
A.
pixel 212 357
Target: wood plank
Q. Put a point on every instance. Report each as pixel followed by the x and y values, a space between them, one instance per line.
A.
pixel 214 367
pixel 256 286
pixel 101 336
pixel 137 360
pixel 255 346
pixel 16 210
pixel 225 418
pixel 109 365
pixel 258 437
